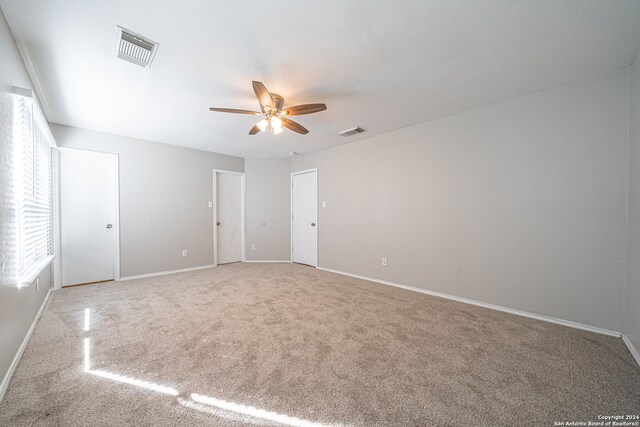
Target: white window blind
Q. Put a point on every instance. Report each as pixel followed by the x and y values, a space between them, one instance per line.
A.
pixel 32 151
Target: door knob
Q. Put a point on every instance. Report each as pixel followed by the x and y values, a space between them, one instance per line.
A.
pixel 109 226
pixel 313 224
pixel 218 223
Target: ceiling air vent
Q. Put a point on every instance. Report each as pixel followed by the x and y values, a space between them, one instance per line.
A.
pixel 353 131
pixel 134 48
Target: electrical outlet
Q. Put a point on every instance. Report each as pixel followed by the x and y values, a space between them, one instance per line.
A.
pixel 253 247
pixel 184 252
pixel 324 204
pixel 384 261
pixel 37 284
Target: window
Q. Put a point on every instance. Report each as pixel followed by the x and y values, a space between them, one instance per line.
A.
pixel 32 160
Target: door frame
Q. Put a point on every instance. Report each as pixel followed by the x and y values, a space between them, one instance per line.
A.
pixel 57 217
pixel 214 206
pixel 315 264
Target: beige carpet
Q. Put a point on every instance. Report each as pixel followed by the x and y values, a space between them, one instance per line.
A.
pixel 281 344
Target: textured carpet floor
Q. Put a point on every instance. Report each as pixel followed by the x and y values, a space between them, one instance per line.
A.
pixel 281 344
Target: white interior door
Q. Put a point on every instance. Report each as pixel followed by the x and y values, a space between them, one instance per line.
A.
pixel 229 217
pixel 88 214
pixel 304 219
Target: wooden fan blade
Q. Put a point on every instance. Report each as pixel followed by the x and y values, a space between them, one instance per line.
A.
pixel 233 110
pixel 255 129
pixel 299 110
pixel 296 127
pixel 263 96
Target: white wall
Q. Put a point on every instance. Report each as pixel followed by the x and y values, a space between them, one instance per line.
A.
pixel 521 203
pixel 164 196
pixel 18 307
pixel 632 298
pixel 268 209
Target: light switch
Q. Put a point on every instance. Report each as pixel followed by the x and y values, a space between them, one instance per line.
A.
pixel 210 204
pixel 324 204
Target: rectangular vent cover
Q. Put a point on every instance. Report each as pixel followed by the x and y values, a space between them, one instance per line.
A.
pixel 354 131
pixel 134 48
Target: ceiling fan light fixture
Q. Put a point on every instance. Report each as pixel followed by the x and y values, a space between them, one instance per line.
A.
pixel 276 123
pixel 262 124
pixel 277 131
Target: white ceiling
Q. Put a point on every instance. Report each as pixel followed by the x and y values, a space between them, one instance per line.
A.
pixel 381 64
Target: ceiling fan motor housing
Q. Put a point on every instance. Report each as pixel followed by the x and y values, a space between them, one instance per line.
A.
pixel 278 102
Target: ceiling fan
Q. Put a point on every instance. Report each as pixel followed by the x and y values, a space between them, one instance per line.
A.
pixel 272 107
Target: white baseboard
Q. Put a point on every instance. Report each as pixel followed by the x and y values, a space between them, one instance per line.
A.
pixel 14 364
pixel 280 261
pixel 632 349
pixel 164 273
pixel 485 305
